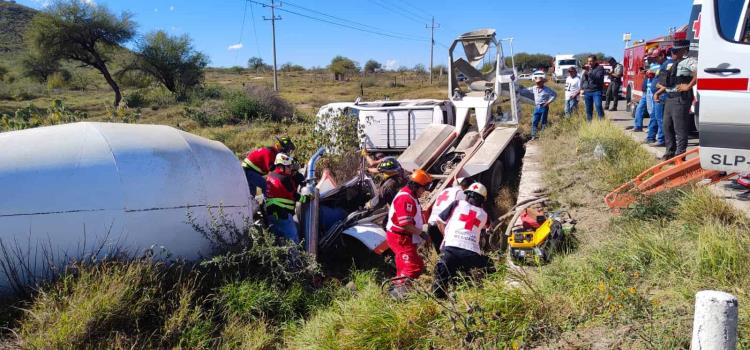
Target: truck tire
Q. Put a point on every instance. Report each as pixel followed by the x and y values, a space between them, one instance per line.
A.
pixel 629 95
pixel 493 177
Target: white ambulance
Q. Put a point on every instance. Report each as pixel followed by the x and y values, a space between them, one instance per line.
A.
pixel 724 84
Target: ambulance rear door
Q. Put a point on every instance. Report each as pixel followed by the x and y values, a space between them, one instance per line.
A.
pixel 724 84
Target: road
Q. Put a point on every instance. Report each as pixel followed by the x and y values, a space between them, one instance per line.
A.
pixel 624 119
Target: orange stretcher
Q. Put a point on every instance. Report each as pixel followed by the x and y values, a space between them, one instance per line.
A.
pixel 672 173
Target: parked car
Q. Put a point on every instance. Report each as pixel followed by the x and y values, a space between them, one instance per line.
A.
pixel 524 76
pixel 538 73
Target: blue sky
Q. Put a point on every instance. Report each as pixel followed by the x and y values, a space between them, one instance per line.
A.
pixel 546 26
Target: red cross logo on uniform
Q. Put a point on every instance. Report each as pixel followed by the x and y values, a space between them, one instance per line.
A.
pixel 697 27
pixel 470 219
pixel 442 198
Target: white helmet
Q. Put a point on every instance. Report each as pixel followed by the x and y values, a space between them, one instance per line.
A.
pixel 479 189
pixel 283 159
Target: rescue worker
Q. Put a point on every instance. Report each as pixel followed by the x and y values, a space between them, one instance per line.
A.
pixel 258 163
pixel 615 82
pixel 444 200
pixel 281 197
pixel 462 223
pixel 393 180
pixel 404 223
pixel 677 82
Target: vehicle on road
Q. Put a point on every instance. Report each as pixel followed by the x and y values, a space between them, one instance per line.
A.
pixel 539 73
pixel 562 63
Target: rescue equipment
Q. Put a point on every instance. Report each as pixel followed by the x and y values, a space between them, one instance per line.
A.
pixel 529 244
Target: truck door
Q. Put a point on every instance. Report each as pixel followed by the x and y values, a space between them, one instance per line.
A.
pixel 723 83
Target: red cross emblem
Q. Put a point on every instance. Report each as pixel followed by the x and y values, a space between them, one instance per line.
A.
pixel 470 219
pixel 697 27
pixel 442 198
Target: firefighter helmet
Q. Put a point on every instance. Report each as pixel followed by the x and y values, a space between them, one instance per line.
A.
pixel 285 144
pixel 421 177
pixel 389 165
pixel 283 159
pixel 479 189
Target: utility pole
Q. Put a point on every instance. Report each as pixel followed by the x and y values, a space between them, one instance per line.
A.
pixel 273 20
pixel 432 42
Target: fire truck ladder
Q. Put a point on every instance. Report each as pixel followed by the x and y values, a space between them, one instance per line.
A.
pixel 673 173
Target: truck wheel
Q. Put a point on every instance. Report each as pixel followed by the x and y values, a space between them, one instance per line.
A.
pixel 511 156
pixel 696 120
pixel 629 95
pixel 493 177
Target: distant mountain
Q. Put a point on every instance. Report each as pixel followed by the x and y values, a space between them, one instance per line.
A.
pixel 13 21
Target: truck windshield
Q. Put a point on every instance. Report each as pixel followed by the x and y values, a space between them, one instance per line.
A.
pixel 566 63
pixel 729 14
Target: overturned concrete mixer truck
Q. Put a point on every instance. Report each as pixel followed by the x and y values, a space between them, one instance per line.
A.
pixel 70 191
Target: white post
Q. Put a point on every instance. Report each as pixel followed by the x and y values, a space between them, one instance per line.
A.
pixel 715 321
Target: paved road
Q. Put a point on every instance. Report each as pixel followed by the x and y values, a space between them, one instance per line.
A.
pixel 721 189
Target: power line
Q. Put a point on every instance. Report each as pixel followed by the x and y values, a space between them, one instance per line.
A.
pixel 396 36
pixel 407 3
pixel 255 32
pixel 242 32
pixel 333 17
pixel 406 10
pixel 396 11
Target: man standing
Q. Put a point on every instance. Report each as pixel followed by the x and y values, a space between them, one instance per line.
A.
pixel 258 163
pixel 615 82
pixel 404 226
pixel 444 200
pixel 677 82
pixel 281 197
pixel 655 136
pixel 572 91
pixel 592 84
pixel 543 97
pixel 462 223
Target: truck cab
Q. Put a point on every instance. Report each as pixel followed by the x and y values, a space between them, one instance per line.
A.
pixel 562 63
pixel 723 84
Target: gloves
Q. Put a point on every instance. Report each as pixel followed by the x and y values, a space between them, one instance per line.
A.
pixel 363 152
pixel 304 198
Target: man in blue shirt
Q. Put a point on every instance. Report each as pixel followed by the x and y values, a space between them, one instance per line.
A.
pixel 543 97
pixel 655 135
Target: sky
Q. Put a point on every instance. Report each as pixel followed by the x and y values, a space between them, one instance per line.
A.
pixel 537 26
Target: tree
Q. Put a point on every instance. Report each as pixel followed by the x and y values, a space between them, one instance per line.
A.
pixel 38 67
pixel 372 65
pixel 256 64
pixel 172 61
pixel 419 69
pixel 291 67
pixel 83 32
pixel 341 67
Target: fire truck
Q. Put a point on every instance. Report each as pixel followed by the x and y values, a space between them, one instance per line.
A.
pixel 635 65
pixel 634 60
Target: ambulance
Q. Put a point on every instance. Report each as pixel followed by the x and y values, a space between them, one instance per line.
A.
pixel 724 84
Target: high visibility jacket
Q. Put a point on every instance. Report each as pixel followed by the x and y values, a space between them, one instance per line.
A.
pixel 448 196
pixel 463 225
pixel 281 192
pixel 260 159
pixel 405 210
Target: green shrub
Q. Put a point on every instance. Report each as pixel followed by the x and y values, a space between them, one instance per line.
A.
pixel 135 99
pixel 31 117
pixel 209 114
pixel 83 309
pixel 240 108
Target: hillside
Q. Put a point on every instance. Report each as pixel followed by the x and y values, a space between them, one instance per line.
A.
pixel 13 21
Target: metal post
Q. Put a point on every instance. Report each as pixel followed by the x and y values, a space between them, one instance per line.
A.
pixel 273 20
pixel 432 42
pixel 715 321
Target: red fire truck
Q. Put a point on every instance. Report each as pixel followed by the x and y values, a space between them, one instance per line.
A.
pixel 635 65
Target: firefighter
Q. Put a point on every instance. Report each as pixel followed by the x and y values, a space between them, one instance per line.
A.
pixel 677 82
pixel 393 180
pixel 444 200
pixel 258 163
pixel 404 223
pixel 281 197
pixel 462 224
